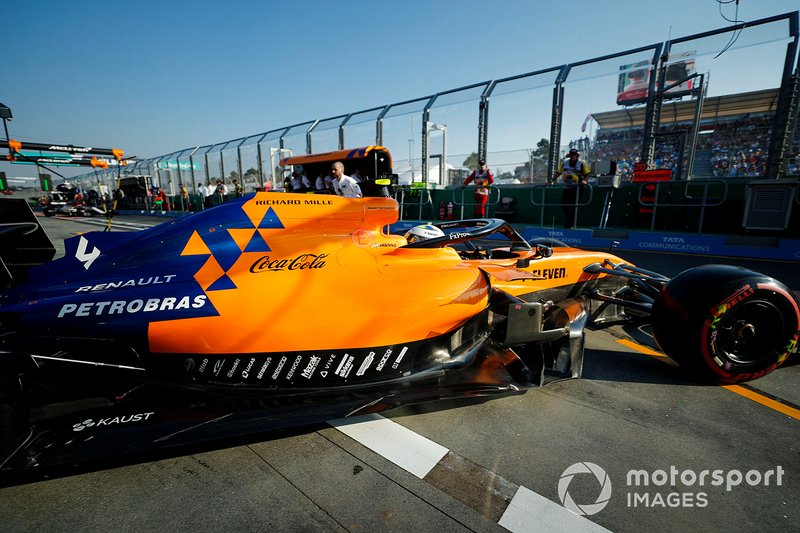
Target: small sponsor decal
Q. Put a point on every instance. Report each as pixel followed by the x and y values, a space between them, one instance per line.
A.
pixel 263 369
pixel 246 371
pixel 399 358
pixel 233 368
pixel 328 365
pixel 308 371
pixel 365 365
pixel 121 284
pixel 294 366
pixel 279 367
pixel 362 237
pixel 383 360
pixel 111 421
pixel 345 367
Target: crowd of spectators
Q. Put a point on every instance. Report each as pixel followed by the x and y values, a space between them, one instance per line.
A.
pixel 738 147
pixel 725 149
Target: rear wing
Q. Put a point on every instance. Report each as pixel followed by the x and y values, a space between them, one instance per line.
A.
pixel 23 242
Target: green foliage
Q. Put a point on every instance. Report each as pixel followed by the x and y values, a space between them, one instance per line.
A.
pixel 471 162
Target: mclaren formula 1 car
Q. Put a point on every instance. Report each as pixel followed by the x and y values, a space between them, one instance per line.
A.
pixel 64 201
pixel 282 309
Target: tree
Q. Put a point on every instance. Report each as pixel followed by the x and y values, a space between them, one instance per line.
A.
pixel 542 148
pixel 471 162
pixel 539 160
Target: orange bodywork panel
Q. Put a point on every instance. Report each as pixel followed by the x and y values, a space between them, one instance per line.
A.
pixel 337 155
pixel 328 281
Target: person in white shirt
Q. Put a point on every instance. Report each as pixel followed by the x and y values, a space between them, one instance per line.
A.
pixel 297 183
pixel 348 187
pixel 319 185
pixel 203 190
pixel 329 185
pixel 305 181
pixel 357 176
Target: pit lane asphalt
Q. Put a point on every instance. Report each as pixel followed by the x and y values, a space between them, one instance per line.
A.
pixel 630 411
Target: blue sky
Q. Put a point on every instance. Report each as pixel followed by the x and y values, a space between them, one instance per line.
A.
pixel 152 77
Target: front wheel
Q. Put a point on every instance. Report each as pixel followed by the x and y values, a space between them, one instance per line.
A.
pixel 726 323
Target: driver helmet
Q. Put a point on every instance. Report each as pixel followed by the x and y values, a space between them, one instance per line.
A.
pixel 423 233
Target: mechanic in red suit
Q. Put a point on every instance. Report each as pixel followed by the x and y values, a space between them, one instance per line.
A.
pixel 483 178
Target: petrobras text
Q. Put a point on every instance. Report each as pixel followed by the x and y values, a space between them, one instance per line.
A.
pixel 121 307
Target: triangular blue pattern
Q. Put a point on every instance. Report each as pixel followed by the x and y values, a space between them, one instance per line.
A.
pixel 271 221
pixel 223 283
pixel 257 244
pixel 222 247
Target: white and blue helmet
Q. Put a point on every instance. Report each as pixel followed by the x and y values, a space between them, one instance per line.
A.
pixel 422 233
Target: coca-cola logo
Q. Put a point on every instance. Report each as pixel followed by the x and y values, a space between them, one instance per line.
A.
pixel 301 262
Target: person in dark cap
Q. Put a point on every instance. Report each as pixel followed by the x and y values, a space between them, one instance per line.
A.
pixel 483 179
pixel 573 171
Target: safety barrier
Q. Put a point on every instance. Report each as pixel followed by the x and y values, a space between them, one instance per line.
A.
pixel 579 200
pixel 460 201
pixel 411 198
pixel 705 201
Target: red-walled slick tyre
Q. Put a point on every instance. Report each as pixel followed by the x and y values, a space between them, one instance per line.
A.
pixel 725 323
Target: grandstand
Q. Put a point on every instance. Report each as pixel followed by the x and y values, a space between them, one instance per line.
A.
pixel 733 136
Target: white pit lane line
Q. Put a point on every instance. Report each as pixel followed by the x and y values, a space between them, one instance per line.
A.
pixel 529 511
pixel 526 512
pixel 403 447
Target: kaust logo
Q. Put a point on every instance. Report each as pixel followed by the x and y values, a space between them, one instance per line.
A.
pixel 301 262
pixel 111 421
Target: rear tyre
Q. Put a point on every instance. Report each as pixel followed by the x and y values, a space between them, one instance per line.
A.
pixel 727 324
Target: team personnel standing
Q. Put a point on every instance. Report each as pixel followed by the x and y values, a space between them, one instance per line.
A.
pixel 347 185
pixel 573 172
pixel 319 185
pixel 483 178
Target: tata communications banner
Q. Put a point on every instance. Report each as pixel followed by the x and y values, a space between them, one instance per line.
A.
pixel 634 79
